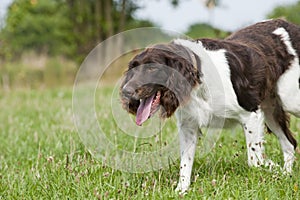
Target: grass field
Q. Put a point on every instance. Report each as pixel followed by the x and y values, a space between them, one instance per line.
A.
pixel 42 157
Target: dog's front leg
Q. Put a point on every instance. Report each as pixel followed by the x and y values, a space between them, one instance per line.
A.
pixel 188 141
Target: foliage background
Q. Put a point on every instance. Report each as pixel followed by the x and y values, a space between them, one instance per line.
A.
pixel 43 42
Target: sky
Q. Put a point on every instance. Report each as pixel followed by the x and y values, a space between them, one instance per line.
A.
pixel 230 15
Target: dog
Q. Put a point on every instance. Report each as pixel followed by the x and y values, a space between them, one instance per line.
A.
pixel 251 78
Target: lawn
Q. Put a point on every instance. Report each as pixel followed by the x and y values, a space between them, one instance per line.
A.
pixel 43 157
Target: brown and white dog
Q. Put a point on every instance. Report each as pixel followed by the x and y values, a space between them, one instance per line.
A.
pixel 252 77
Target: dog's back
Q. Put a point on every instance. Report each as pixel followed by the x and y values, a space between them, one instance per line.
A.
pixel 258 35
pixel 258 55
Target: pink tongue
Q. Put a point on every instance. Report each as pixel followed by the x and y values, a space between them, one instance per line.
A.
pixel 143 111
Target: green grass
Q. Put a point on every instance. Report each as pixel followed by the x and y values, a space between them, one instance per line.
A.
pixel 42 157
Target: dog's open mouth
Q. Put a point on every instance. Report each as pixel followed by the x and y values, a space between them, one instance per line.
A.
pixel 147 108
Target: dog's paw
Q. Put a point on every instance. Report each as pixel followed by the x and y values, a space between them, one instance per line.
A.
pixel 271 165
pixel 182 188
pixel 265 164
pixel 287 169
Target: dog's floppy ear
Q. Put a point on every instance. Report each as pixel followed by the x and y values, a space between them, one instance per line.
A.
pixel 179 85
pixel 183 77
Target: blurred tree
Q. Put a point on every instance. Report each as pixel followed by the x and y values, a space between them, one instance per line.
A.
pixel 205 30
pixel 95 20
pixel 39 25
pixel 67 27
pixel 290 13
pixel 211 3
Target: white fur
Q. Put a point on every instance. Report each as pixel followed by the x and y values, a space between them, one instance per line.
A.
pixel 254 132
pixel 288 85
pixel 286 39
pixel 188 141
pixel 288 89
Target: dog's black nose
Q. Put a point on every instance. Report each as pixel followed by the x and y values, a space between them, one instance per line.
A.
pixel 128 91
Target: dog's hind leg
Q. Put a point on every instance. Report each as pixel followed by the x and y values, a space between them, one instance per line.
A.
pixel 278 122
pixel 188 137
pixel 253 125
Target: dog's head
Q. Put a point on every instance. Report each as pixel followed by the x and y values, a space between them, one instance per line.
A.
pixel 161 76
